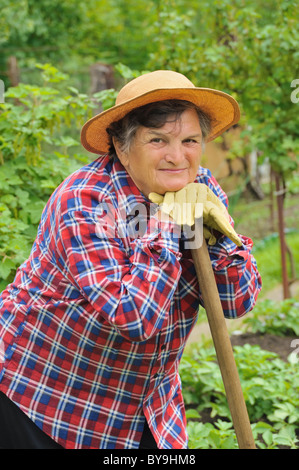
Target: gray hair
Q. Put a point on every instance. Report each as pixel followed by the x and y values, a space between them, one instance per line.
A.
pixel 153 115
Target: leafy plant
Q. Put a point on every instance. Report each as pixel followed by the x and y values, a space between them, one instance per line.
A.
pixel 266 253
pixel 271 391
pixel 36 154
pixel 209 436
pixel 278 318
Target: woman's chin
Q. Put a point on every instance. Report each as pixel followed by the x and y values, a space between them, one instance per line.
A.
pixel 173 186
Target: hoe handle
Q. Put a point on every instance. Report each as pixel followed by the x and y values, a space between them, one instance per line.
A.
pixel 223 346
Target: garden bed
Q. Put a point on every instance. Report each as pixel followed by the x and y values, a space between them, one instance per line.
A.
pixel 280 345
pixel 267 358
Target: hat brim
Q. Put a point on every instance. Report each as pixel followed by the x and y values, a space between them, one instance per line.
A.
pixel 222 109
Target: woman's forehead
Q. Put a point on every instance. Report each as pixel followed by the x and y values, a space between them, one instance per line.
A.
pixel 187 122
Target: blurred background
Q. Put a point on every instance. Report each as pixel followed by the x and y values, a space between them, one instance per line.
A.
pixel 63 61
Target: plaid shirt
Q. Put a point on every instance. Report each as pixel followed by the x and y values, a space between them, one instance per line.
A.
pixel 93 326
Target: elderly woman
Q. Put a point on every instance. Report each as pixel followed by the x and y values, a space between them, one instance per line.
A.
pixel 95 323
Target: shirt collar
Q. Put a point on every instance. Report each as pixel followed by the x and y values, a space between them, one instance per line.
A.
pixel 128 195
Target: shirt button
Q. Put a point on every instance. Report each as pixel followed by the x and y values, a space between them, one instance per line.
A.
pixel 163 346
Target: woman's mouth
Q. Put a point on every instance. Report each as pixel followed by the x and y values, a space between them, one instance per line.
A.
pixel 173 170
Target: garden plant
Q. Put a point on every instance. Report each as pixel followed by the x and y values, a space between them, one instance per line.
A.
pixel 270 385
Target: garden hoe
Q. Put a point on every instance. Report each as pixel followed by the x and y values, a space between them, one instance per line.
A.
pixel 223 346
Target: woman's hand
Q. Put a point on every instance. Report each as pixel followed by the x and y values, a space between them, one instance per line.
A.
pixel 194 201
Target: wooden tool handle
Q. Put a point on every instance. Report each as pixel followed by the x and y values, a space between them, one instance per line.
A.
pixel 223 346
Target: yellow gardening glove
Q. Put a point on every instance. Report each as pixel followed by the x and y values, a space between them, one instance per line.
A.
pixel 194 201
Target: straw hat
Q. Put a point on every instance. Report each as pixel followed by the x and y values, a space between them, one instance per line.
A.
pixel 160 85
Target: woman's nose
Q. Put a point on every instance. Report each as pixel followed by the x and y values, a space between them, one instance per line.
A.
pixel 175 154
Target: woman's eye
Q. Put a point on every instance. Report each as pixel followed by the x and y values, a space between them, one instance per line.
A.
pixel 157 140
pixel 191 141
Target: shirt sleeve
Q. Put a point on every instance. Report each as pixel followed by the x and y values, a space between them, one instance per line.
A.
pixel 131 290
pixel 237 277
pixel 236 273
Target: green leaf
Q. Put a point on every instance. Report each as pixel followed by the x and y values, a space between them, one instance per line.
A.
pixel 192 413
pixel 6 266
pixel 268 437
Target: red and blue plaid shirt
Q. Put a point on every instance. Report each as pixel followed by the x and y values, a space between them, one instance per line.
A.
pixel 93 327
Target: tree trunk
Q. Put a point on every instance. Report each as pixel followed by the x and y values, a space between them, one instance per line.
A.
pixel 280 194
pixel 13 71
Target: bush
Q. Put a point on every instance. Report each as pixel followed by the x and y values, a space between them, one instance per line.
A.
pixel 278 318
pixel 37 151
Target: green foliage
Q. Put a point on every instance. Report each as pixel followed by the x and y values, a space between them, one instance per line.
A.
pixel 251 54
pixel 41 23
pixel 247 48
pixel 209 436
pixel 277 318
pixel 270 386
pixel 293 184
pixel 37 151
pixel 271 391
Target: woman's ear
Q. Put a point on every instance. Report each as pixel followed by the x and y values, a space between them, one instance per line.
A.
pixel 122 156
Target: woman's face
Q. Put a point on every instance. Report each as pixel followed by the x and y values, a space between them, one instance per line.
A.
pixel 167 158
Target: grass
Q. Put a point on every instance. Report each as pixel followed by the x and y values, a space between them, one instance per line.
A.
pixel 267 255
pixel 253 219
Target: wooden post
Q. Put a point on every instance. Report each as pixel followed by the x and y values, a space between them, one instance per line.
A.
pixel 102 78
pixel 13 71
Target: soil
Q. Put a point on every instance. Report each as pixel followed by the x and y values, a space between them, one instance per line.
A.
pixel 280 345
